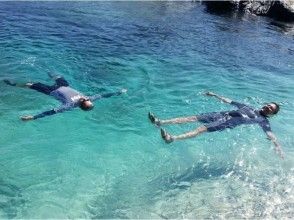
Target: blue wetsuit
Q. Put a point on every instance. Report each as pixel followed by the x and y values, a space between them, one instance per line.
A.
pixel 69 97
pixel 217 121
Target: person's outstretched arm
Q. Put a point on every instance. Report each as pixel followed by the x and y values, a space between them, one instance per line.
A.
pixel 226 100
pixel 278 147
pixel 265 125
pixel 41 115
pixel 46 113
pixel 107 95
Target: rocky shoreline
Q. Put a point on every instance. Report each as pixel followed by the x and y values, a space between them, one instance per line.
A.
pixel 282 10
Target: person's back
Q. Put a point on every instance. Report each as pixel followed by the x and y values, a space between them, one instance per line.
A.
pixel 66 94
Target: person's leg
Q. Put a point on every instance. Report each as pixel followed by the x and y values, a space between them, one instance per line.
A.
pixel 179 120
pixel 59 80
pixel 40 87
pixel 8 82
pixel 169 138
pixel 218 125
pixel 53 75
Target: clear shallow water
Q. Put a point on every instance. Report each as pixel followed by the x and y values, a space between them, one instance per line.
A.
pixel 111 162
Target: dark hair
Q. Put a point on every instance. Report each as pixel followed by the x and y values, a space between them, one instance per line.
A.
pixel 277 108
pixel 85 107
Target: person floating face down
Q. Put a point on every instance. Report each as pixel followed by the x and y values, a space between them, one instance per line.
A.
pixel 61 91
pixel 218 121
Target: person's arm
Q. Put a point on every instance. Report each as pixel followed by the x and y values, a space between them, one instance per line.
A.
pixel 41 115
pixel 107 95
pixel 46 113
pixel 265 125
pixel 278 147
pixel 226 100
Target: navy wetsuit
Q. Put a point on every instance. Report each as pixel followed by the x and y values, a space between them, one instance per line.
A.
pixel 69 97
pixel 217 121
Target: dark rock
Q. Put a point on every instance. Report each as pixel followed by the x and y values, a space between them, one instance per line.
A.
pixel 219 6
pixel 279 10
pixel 260 7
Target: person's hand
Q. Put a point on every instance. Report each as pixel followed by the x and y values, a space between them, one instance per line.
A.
pixel 210 94
pixel 123 91
pixel 27 118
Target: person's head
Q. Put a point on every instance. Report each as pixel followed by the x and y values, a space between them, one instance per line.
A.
pixel 270 109
pixel 86 104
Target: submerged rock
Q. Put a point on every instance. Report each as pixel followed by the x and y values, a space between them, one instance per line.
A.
pixel 280 10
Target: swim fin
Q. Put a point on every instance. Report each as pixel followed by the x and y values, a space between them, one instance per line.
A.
pixel 8 82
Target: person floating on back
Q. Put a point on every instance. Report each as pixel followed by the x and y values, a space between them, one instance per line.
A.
pixel 218 121
pixel 61 91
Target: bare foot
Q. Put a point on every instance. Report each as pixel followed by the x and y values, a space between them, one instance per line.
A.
pixel 153 119
pixel 166 136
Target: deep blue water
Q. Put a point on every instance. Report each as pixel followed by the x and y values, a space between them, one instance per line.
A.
pixel 111 162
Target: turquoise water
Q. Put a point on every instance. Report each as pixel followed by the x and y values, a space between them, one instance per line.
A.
pixel 111 162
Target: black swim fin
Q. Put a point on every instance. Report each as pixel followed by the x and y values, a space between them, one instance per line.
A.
pixel 8 82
